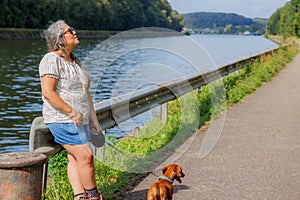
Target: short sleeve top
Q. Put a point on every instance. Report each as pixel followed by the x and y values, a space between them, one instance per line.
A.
pixel 73 84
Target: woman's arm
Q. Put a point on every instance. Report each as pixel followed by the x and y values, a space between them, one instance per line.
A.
pixel 48 91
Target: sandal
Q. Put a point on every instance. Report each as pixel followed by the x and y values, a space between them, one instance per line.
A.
pixel 82 197
pixel 100 197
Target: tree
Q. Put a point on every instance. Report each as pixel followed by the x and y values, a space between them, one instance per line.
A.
pixel 272 26
pixel 130 14
pixel 286 22
pixel 297 22
pixel 90 14
pixel 296 5
pixel 177 20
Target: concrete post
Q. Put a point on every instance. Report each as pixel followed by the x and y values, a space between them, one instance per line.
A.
pixel 164 112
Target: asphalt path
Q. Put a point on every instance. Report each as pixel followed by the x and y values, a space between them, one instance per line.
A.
pixel 257 155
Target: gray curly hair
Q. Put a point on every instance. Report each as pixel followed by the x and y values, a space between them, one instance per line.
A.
pixel 55 36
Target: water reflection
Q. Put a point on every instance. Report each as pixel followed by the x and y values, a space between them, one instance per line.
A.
pixel 20 91
pixel 20 95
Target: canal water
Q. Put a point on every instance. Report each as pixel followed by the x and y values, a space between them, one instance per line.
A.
pixel 117 66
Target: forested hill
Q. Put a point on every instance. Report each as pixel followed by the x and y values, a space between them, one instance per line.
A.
pixel 223 23
pixel 90 14
pixel 211 20
pixel 285 21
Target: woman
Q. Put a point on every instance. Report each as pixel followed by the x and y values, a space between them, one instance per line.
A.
pixel 68 107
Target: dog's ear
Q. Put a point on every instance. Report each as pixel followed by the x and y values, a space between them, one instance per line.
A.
pixel 178 170
pixel 165 169
pixel 178 178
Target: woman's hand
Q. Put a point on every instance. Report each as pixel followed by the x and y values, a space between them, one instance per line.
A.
pixel 76 117
pixel 94 125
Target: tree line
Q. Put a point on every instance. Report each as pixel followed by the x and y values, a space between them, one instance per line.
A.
pixel 285 21
pixel 211 20
pixel 90 14
pixel 224 23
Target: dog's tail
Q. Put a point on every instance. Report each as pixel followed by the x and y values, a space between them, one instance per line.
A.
pixel 157 196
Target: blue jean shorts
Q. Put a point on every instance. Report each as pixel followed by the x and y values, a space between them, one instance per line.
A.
pixel 69 133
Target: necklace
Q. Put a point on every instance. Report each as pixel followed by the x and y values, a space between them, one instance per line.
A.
pixel 80 76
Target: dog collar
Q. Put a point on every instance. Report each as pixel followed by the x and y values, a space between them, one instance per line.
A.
pixel 167 178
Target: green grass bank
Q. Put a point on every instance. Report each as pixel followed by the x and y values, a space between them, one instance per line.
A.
pixel 179 126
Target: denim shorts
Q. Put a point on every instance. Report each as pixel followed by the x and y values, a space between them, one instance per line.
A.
pixel 69 133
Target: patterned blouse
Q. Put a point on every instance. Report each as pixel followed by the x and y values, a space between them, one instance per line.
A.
pixel 73 84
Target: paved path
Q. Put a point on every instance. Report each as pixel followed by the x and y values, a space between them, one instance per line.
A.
pixel 258 153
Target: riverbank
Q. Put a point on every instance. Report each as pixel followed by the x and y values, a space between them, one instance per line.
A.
pixel 257 155
pixel 20 33
pixel 112 182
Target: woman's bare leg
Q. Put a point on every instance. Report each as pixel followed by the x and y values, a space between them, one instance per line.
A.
pixel 74 176
pixel 82 170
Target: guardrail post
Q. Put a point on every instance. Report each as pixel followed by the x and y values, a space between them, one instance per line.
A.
pixel 21 175
pixel 164 112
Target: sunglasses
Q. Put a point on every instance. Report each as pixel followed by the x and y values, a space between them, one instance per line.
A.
pixel 70 30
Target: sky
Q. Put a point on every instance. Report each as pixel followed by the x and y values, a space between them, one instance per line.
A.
pixel 247 8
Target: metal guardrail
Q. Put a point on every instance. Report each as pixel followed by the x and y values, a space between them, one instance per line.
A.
pixel 116 110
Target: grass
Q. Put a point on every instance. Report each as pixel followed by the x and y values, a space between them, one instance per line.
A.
pixel 156 141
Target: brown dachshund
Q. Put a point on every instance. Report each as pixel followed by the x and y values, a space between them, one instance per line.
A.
pixel 163 189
